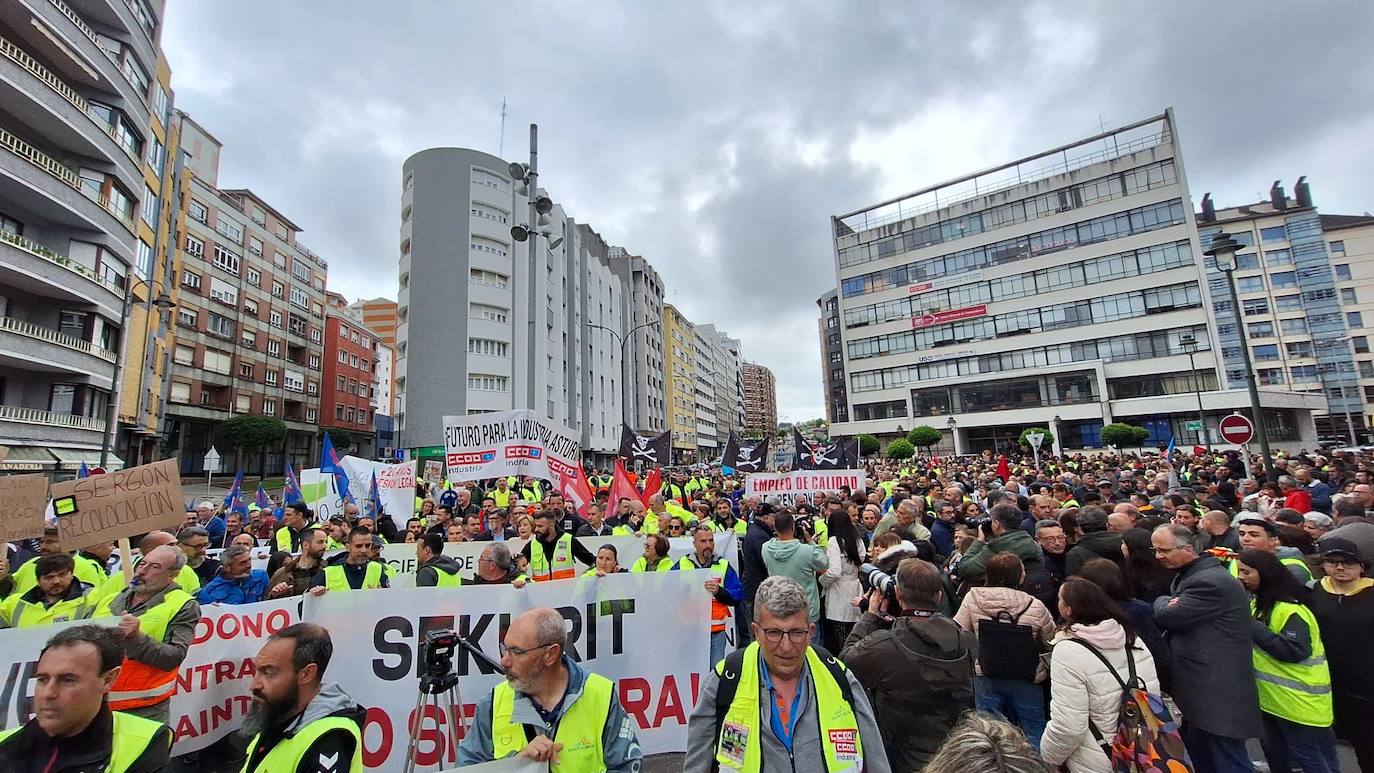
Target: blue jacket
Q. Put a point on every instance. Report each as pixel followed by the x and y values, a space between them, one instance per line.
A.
pixel 1321 496
pixel 942 536
pixel 223 590
pixel 216 526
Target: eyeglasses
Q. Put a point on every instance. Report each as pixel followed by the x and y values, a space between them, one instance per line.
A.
pixel 1340 562
pixel 1164 551
pixel 774 635
pixel 516 652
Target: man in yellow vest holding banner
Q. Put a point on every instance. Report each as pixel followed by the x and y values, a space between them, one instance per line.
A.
pixel 298 721
pixel 724 585
pixel 356 570
pixel 782 704
pixel 551 555
pixel 73 727
pixel 157 620
pixel 549 708
pixel 436 570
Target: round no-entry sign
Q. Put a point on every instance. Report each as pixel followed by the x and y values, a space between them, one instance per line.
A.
pixel 1236 429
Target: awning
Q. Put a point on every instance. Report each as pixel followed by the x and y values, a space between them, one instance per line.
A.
pixel 27 459
pixel 71 459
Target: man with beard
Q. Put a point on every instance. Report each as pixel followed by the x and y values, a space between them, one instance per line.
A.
pixel 298 722
pixel 73 727
pixel 194 541
pixel 550 554
pixel 549 708
pixel 357 570
pixel 297 575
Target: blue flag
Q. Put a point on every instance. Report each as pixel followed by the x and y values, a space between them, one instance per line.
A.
pixel 235 490
pixel 263 501
pixel 1169 452
pixel 329 462
pixel 374 497
pixel 84 472
pixel 237 505
pixel 291 489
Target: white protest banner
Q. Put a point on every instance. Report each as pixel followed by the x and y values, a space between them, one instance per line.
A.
pixel 516 764
pixel 519 442
pixel 213 683
pixel 803 484
pixel 395 485
pixel 320 493
pixel 647 632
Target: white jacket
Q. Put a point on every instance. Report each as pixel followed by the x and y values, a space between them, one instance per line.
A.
pixel 841 583
pixel 1081 688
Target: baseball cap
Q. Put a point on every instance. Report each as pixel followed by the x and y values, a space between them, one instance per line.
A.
pixel 1337 547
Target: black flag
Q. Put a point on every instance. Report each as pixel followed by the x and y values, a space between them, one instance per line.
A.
pixel 828 457
pixel 652 452
pixel 753 459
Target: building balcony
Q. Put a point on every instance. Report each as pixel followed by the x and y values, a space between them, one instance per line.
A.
pixel 34 268
pixel 120 15
pixel 48 428
pixel 26 346
pixel 52 190
pixel 63 116
pixel 80 57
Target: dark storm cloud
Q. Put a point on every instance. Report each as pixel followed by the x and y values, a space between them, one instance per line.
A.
pixel 716 139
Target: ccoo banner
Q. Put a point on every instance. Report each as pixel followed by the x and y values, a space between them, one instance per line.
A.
pixel 519 442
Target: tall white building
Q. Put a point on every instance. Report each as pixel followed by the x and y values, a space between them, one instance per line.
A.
pixel 709 439
pixel 644 302
pixel 1056 290
pixel 596 337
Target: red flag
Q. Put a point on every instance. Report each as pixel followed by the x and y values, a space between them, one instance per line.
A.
pixel 1004 468
pixel 934 461
pixel 1199 450
pixel 652 483
pixel 621 487
pixel 576 489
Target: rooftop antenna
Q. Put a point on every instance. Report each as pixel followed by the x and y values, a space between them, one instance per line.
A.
pixel 502 152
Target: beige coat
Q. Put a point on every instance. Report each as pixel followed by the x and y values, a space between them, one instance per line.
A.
pixel 983 603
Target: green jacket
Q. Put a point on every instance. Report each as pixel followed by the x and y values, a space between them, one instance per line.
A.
pixel 974 564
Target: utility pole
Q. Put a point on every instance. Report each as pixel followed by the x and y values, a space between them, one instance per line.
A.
pixel 530 269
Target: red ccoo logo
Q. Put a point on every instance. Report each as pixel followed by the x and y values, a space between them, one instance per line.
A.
pixel 524 452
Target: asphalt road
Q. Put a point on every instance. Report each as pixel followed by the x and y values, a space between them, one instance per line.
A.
pixel 663 763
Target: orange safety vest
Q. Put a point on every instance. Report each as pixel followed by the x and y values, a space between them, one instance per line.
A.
pixel 140 684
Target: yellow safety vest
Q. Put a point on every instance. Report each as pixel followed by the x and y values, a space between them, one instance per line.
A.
pixel 528 494
pixel 284 540
pixel 446 580
pixel 286 756
pixel 19 613
pixel 26 576
pixel 719 611
pixel 738 747
pixel 1297 692
pixel 186 579
pixel 740 527
pixel 502 498
pixel 579 729
pixel 139 684
pixel 131 737
pixel 562 567
pixel 335 579
pixel 641 565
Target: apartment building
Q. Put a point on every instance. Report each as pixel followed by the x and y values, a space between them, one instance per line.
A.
pixel 350 391
pixel 1065 290
pixel 730 387
pixel 760 400
pixel 82 160
pixel 648 388
pixel 679 354
pixel 250 320
pixel 1306 287
pixel 597 337
pixel 832 359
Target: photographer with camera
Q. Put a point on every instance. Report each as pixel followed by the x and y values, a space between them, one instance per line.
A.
pixel 999 532
pixel 917 666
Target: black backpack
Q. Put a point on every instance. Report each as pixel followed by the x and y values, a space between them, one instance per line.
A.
pixel 1006 648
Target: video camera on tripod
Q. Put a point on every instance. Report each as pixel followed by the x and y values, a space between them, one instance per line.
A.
pixel 439 685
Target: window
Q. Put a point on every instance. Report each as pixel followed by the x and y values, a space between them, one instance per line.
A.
pixel 485 383
pixel 1278 257
pixel 1298 349
pixel 488 347
pixel 151 205
pixel 343 332
pixel 226 259
pixel 223 291
pixel 300 270
pixel 1361 344
pixel 1303 373
pixel 1337 248
pixel 310 415
pixel 1288 303
pixel 489 246
pixel 353 360
pixel 269 407
pixel 273 348
pixel 1273 234
pixel 255 245
pixel 342 385
pixel 243 403
pixel 1283 279
pixel 250 307
pixel 1354 319
pixel 1269 376
pixel 365 341
pixel 1260 329
pixel 250 339
pixel 197 211
pixel 274 318
pixel 1250 284
pixel 254 277
pixel 190 279
pixel 180 393
pixel 1366 368
pixel 246 370
pixel 270 377
pixel 1254 307
pixel 143 262
pixel 187 317
pixel 218 362
pixel 220 326
pixel 278 290
pixel 338 411
pixel 315 361
pixel 353 334
pixel 488 278
pixel 1342 272
pixel 229 228
pixel 488 212
pixel 312 388
pixel 157 156
pixel 352 387
pixel 195 247
pixel 1265 352
pixel 1293 327
pixel 1247 261
pixel 479 177
pixel 316 335
pixel 299 298
pixel 184 355
pixel 343 356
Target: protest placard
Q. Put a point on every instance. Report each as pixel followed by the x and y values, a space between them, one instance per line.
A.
pixel 22 501
pixel 803 484
pixel 103 508
pixel 520 442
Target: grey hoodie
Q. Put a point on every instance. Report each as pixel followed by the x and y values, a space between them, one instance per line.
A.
pixel 427 575
pixel 800 561
pixel 331 701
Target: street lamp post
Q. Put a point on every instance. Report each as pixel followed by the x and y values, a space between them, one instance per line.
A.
pixel 1190 345
pixel 1223 250
pixel 624 352
pixel 953 427
pixel 1322 372
pixel 164 305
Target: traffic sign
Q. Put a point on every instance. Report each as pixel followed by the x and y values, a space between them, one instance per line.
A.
pixel 1236 429
pixel 1194 426
pixel 212 460
pixel 1035 439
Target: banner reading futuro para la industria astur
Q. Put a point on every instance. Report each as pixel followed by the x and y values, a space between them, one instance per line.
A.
pixel 519 442
pixel 803 484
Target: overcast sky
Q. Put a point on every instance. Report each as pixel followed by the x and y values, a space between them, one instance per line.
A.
pixel 716 139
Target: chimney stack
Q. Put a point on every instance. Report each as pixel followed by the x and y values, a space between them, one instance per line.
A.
pixel 1303 192
pixel 1277 197
pixel 1209 211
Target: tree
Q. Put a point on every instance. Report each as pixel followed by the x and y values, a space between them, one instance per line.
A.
pixel 341 438
pixel 245 433
pixel 923 436
pixel 900 449
pixel 1045 444
pixel 1121 435
pixel 869 445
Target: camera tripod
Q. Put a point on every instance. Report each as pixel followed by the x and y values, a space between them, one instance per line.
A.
pixel 439 690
